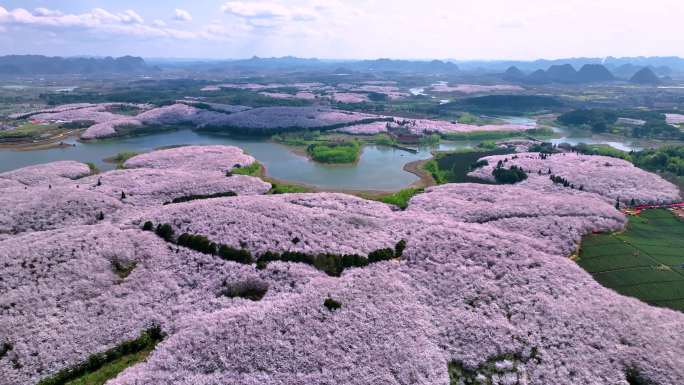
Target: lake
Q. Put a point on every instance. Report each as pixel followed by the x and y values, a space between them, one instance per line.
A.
pixel 379 168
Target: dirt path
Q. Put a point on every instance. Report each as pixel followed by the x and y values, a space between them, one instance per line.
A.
pixel 417 168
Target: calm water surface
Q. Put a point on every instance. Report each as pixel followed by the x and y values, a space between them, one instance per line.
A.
pixel 379 168
pixel 574 138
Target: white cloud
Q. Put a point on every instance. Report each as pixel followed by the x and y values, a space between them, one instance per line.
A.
pixel 268 10
pixel 131 17
pixel 97 20
pixel 182 15
pixel 46 12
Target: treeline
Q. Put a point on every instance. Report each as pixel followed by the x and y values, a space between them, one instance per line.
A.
pixel 664 159
pixel 557 179
pixel 669 159
pixel 602 120
pixel 188 198
pixel 597 119
pixel 147 340
pixel 598 149
pixel 513 104
pixel 329 263
pixel 511 175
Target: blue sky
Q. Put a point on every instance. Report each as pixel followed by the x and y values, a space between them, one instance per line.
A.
pixel 483 29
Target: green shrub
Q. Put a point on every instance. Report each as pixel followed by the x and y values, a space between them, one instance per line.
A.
pixel 123 269
pixel 331 304
pixel 253 169
pixel 430 140
pixel 353 260
pixel 198 243
pixel 93 168
pixel 487 145
pixel 252 289
pixel 339 152
pixel 634 377
pixel 148 226
pixel 236 255
pixel 478 164
pixel 399 248
pixel 165 231
pixel 512 175
pixel 280 188
pixel 121 158
pixel 440 176
pixel 5 347
pixel 380 255
pixel 297 138
pixel 384 140
pixel 401 198
pixel 189 198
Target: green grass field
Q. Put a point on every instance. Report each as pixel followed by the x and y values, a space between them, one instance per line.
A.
pixel 98 368
pixel 401 198
pixel 253 169
pixel 30 131
pixel 112 369
pixel 645 261
pixel 453 167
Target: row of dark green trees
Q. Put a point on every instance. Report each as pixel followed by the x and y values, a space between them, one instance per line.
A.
pixel 330 263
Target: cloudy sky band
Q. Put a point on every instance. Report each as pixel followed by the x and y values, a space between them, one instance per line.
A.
pixel 487 29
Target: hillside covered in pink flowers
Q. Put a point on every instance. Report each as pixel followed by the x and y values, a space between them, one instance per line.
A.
pixel 470 278
pixel 101 122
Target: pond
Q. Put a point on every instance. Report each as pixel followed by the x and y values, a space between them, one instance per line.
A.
pixel 379 168
pixel 575 137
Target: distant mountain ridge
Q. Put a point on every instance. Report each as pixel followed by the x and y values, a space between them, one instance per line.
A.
pixel 661 63
pixel 44 65
pixel 377 65
pixel 561 73
pixel 645 76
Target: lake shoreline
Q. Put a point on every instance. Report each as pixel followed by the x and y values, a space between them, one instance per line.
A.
pixel 56 141
pixel 417 168
pixel 379 169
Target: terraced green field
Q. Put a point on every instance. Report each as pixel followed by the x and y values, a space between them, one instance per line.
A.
pixel 646 261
